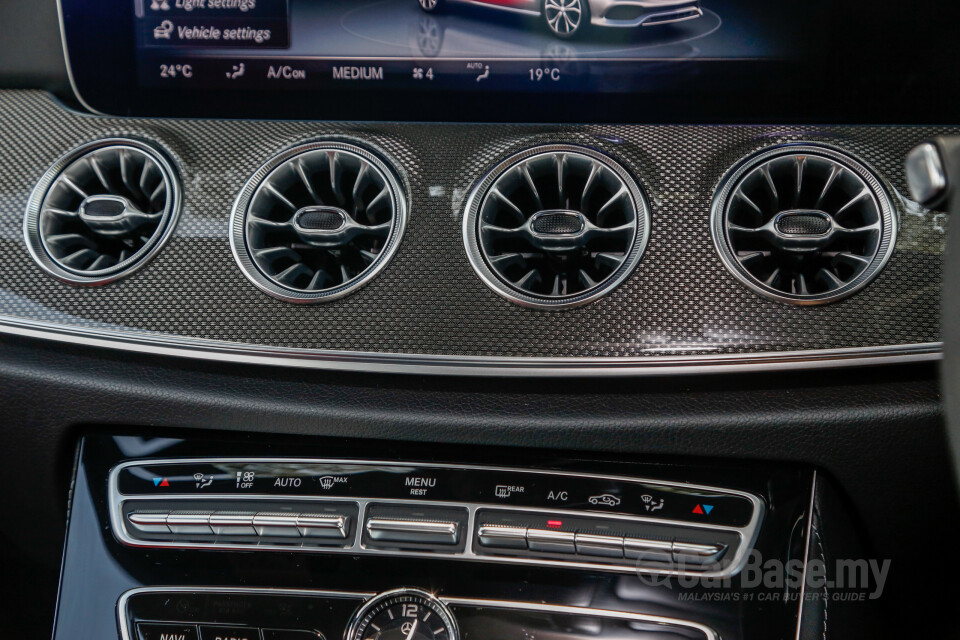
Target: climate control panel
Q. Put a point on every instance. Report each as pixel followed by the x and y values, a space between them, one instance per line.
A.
pixel 480 514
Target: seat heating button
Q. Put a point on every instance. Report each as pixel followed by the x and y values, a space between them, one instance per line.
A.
pixel 602 546
pixel 551 541
pixel 211 632
pixel 648 550
pixel 276 524
pixel 166 631
pixel 502 536
pixel 189 523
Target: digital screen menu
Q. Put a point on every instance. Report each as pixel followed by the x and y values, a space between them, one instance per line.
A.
pixel 595 45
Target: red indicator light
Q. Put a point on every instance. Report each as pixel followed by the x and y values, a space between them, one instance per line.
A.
pixel 554 524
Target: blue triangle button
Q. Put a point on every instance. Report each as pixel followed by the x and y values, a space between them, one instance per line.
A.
pixel 156 482
pixel 708 508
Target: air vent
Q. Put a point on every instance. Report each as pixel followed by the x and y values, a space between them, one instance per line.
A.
pixel 317 222
pixel 101 211
pixel 804 224
pixel 556 227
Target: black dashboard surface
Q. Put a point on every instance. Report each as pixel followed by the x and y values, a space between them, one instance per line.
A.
pixel 31 54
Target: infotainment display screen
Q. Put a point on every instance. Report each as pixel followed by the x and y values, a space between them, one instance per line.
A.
pixel 590 60
pixel 476 45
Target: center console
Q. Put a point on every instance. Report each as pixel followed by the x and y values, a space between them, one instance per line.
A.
pixel 219 539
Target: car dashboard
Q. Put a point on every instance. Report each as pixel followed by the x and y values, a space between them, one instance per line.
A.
pixel 439 319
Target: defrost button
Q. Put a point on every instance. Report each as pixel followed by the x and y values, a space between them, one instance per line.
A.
pixel 502 536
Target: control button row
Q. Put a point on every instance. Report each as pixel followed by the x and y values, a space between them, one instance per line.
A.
pixel 229 523
pixel 585 544
pixel 169 630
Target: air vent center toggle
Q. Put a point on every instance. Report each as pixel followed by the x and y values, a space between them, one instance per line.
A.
pixel 803 223
pixel 801 230
pixel 331 226
pixel 557 222
pixel 110 215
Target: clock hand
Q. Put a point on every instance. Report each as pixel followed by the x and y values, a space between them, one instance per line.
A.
pixel 413 630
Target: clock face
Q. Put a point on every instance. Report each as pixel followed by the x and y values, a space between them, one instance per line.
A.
pixel 405 614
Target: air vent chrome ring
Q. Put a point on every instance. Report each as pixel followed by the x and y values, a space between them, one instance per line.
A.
pixel 556 226
pixel 101 211
pixel 317 222
pixel 803 224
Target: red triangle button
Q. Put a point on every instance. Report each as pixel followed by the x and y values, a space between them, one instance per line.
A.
pixel 698 509
pixel 167 484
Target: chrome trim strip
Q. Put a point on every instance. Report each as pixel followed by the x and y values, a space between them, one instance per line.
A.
pixel 66 60
pixel 710 634
pixel 806 554
pixel 748 534
pixel 219 351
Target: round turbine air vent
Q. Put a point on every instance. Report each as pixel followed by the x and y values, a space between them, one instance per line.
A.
pixel 317 222
pixel 803 224
pixel 101 211
pixel 556 226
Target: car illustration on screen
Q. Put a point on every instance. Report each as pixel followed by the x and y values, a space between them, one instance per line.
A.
pixel 569 18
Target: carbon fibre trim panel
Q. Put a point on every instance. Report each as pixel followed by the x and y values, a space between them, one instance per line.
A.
pixel 680 301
